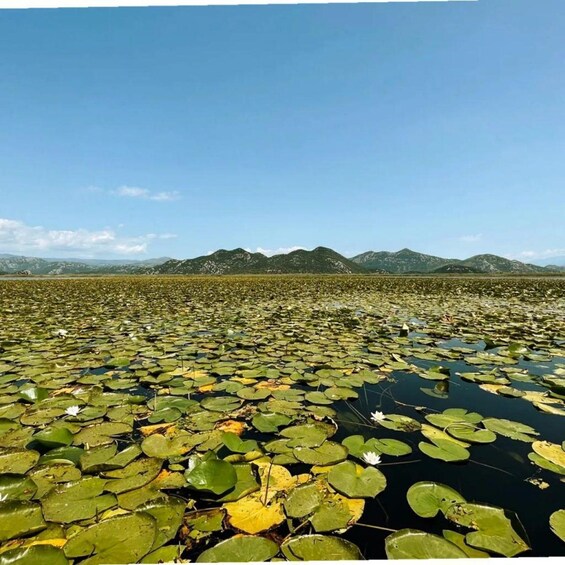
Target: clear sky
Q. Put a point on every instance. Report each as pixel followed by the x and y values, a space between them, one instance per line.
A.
pixel 176 131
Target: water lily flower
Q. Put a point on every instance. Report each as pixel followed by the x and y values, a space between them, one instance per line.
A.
pixel 377 416
pixel 371 458
pixel 61 333
pixel 72 410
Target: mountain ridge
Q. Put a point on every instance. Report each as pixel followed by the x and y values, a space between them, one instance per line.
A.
pixel 240 261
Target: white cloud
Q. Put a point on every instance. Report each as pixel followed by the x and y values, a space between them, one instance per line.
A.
pixel 271 252
pixel 471 238
pixel 146 194
pixel 17 237
pixel 531 255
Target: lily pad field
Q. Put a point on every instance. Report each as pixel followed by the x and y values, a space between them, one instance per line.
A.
pixel 269 418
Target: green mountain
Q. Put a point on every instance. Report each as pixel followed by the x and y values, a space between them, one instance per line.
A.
pixel 240 261
pixel 402 261
pixel 12 264
pixel 408 261
pixel 488 263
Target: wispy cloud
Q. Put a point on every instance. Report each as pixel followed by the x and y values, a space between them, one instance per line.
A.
pixel 18 237
pixel 271 252
pixel 535 255
pixel 146 194
pixel 471 238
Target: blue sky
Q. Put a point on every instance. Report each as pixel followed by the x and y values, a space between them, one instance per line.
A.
pixel 177 131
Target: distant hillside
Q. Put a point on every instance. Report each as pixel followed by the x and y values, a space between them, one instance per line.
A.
pixel 457 268
pixel 407 261
pixel 11 264
pixel 222 262
pixel 494 264
pixel 402 261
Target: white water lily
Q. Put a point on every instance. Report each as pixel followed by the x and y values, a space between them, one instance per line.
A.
pixel 61 333
pixel 371 458
pixel 377 416
pixel 72 410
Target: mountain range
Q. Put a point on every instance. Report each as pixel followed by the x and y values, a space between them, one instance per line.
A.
pixel 241 261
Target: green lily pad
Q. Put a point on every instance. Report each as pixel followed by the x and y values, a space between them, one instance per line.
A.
pixel 221 403
pixel 16 487
pixel 557 523
pixel 355 482
pixel 427 498
pixel 444 450
pixel 400 423
pixel 234 443
pixel 329 453
pixel 239 549
pixel 546 464
pixel 163 447
pixel 340 393
pixel 459 540
pixel 415 544
pixel 318 547
pixel 20 518
pixel 135 475
pixel 123 539
pixel 35 554
pixel 305 435
pixel 494 530
pixel 511 429
pixel 168 516
pixel 54 437
pixel 302 500
pixel 215 476
pixel 17 461
pixel 332 514
pixel 270 422
pixel 70 453
pixel 246 483
pixel 77 500
pixel 100 434
pixel 470 434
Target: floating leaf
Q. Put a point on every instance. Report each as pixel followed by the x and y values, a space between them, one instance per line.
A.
pixel 511 429
pixel 550 451
pixel 20 518
pixel 427 498
pixel 215 476
pixel 302 500
pixel 317 547
pixel 17 461
pixel 123 539
pixel 445 450
pixel 494 530
pixel 355 482
pixel 557 523
pixel 240 548
pixel 77 500
pixel 326 454
pixel 415 544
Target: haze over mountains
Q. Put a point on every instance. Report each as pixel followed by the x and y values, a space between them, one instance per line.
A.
pixel 240 261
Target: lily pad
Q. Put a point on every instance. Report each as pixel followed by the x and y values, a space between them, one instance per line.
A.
pixel 415 544
pixel 20 518
pixel 239 549
pixel 557 523
pixel 215 476
pixel 494 530
pixel 444 450
pixel 302 500
pixel 17 461
pixel 123 539
pixel 427 498
pixel 328 453
pixel 77 500
pixel 355 482
pixel 511 429
pixel 318 547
